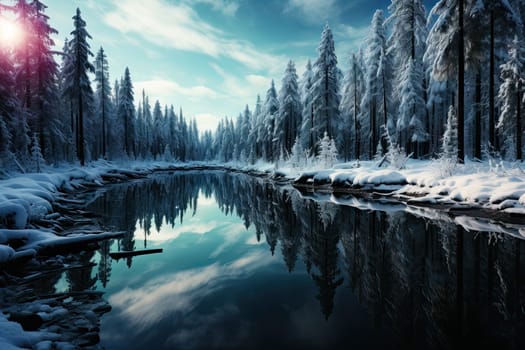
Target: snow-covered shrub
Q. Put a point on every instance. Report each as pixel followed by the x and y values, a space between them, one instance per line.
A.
pixel 396 156
pixel 494 159
pixel 449 156
pixel 297 158
pixel 167 156
pixel 36 154
pixel 327 152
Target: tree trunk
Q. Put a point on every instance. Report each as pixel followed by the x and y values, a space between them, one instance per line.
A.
pixel 356 123
pixel 385 116
pixel 103 111
pixel 81 156
pixel 477 145
pixel 461 86
pixel 518 122
pixel 373 141
pixel 492 123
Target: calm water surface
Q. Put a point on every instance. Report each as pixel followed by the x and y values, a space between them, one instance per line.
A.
pixel 247 264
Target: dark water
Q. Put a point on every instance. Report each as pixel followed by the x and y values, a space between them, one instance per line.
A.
pixel 247 264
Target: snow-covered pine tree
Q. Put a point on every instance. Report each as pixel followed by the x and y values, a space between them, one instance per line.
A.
pixel 157 147
pixel 333 153
pixel 25 82
pixel 288 120
pixel 76 82
pixel 353 90
pixel 174 138
pixel 9 106
pixel 126 114
pixel 411 121
pixel 327 155
pixel 307 124
pixel 297 156
pixel 450 138
pixel 325 88
pixel 376 61
pixel 454 43
pixel 270 110
pixel 505 21
pixel 167 156
pixel 244 134
pixel 510 96
pixel 407 46
pixel 253 138
pixel 104 106
pixel 36 154
pixel 45 71
pixel 395 155
pixel 6 156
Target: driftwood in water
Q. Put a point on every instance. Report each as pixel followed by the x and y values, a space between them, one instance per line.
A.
pixel 120 255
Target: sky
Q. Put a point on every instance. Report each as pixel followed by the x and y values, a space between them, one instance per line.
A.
pixel 212 57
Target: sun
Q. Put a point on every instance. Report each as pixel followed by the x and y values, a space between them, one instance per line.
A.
pixel 11 33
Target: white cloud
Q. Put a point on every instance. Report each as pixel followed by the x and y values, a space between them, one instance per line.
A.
pixel 348 40
pixel 226 7
pixel 207 121
pixel 351 33
pixel 167 91
pixel 258 81
pixel 178 26
pixel 312 11
pixel 242 89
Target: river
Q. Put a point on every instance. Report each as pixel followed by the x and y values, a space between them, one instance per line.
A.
pixel 250 264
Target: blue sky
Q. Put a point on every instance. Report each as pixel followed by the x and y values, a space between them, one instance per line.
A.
pixel 212 57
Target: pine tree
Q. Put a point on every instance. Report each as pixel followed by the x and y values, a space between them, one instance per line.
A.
pixel 76 82
pixel 297 156
pixel 353 90
pixel 126 114
pixel 6 156
pixel 253 139
pixel 327 155
pixel 244 134
pixel 407 46
pixel 36 154
pixel 45 71
pixel 158 140
pixel 504 22
pixel 9 107
pixel 288 120
pixel 25 13
pixel 453 44
pixel 412 106
pixel 325 88
pixel 374 102
pixel 450 137
pixel 511 95
pixel 270 110
pixel 307 126
pixel 104 106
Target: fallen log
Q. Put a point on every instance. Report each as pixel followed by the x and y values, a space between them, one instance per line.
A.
pixel 120 255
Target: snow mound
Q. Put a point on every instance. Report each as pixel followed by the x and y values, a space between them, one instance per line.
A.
pixel 379 177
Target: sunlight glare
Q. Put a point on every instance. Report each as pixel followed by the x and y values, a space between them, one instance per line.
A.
pixel 11 34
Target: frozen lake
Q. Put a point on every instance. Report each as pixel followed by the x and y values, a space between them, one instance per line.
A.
pixel 248 264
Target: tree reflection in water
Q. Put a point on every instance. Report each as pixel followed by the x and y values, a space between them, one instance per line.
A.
pixel 431 282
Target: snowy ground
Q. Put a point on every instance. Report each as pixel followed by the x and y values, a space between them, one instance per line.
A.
pixel 476 185
pixel 30 224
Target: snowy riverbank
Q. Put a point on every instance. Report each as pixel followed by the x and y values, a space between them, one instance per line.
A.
pixel 474 185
